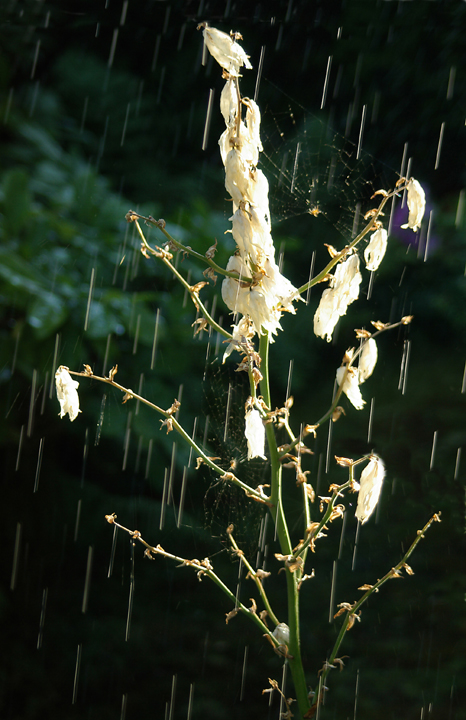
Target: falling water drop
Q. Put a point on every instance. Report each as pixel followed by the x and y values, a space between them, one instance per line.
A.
pixel 361 131
pixel 434 447
pixel 87 582
pixel 439 146
pixel 89 298
pixel 131 593
pixel 172 698
pixel 227 413
pixel 190 701
pixel 39 464
pixel 112 552
pixel 125 125
pixel 290 377
pixel 113 48
pixel 259 73
pixel 208 119
pixel 20 445
pixel 76 674
pixel 14 570
pixel 32 402
pixel 457 464
pixel 332 592
pixel 371 420
pixel 329 445
pixel 42 618
pixel 243 674
pixel 78 518
pixel 124 703
pixel 182 496
pixel 164 499
pixel 100 421
pixel 154 344
pixel 149 456
pixel 326 81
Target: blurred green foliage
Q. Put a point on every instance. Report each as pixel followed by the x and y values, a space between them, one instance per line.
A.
pixel 82 142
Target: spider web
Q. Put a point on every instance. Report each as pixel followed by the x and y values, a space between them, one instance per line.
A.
pixel 225 393
pixel 318 174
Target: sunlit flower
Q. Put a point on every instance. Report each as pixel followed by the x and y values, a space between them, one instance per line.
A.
pixel 343 290
pixel 367 360
pixel 240 330
pixel 416 205
pixel 226 51
pixel 370 483
pixel 351 386
pixel 254 432
pixel 67 393
pixel 375 250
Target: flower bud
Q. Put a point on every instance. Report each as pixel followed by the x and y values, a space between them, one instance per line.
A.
pixel 282 633
pixel 255 434
pixel 368 359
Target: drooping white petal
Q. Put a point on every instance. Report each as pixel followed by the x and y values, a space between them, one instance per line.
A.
pixel 351 386
pixel 375 250
pixel 367 360
pixel 229 102
pixel 226 51
pixel 67 393
pixel 254 431
pixel 370 482
pixel 416 205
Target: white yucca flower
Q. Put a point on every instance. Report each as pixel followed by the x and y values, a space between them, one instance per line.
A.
pixel 416 205
pixel 254 432
pixel 351 386
pixel 370 487
pixel 282 633
pixel 375 250
pixel 226 51
pixel 67 393
pixel 367 360
pixel 343 290
pixel 241 330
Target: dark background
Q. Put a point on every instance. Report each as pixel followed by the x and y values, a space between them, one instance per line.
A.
pixel 102 109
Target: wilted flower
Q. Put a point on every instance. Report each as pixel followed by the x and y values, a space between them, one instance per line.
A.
pixel 67 393
pixel 255 434
pixel 375 250
pixel 351 386
pixel 225 50
pixel 370 488
pixel 282 633
pixel 343 290
pixel 416 205
pixel 368 359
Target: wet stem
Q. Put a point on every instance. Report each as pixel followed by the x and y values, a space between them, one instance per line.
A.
pixel 278 515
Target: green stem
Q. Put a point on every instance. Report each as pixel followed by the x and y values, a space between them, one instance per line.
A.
pixel 277 512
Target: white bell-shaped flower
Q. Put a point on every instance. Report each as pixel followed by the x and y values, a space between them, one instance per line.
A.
pixel 367 360
pixel 375 250
pixel 67 393
pixel 370 487
pixel 226 51
pixel 229 102
pixel 351 386
pixel 416 205
pixel 254 432
pixel 282 633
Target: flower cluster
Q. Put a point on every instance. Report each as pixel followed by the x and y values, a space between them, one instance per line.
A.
pixel 258 291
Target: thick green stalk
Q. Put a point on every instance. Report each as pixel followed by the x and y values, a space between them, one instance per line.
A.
pixel 277 512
